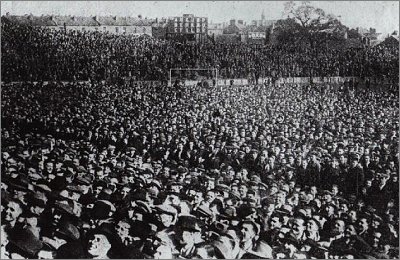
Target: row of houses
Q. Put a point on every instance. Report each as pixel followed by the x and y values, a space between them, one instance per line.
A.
pixel 109 24
pixel 257 32
pixel 186 27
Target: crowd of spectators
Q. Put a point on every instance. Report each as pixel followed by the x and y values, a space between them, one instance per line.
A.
pixel 142 170
pixel 40 54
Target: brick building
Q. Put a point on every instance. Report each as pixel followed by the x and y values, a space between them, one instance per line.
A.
pixel 187 28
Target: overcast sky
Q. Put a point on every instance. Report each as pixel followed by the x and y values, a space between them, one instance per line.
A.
pixel 383 15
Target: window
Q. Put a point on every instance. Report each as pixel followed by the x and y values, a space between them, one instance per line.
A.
pixel 61 28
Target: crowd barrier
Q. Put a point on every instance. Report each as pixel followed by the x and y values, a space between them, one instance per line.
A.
pixel 243 81
pixel 295 80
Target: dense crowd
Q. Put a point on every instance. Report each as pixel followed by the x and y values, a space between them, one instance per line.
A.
pixel 141 170
pixel 39 54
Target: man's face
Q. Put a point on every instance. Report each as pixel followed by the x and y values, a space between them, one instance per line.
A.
pixel 163 252
pixel 362 225
pixel 350 231
pixel 353 215
pixel 100 175
pixel 342 159
pixel 98 189
pixel 383 179
pixel 243 191
pixel 312 226
pixel 248 232
pixel 13 211
pixel 298 161
pixel 291 160
pixel 125 191
pixel 166 172
pixel 327 198
pixel 335 190
pixel 280 198
pixel 123 229
pixel 251 196
pixel 376 238
pixel 210 196
pixel 49 167
pixel 367 159
pixel 187 238
pixel 313 190
pixel 275 223
pixel 174 199
pixel 298 226
pixel 37 209
pixel 304 164
pixel 166 219
pixel 354 163
pixel 339 226
pixel 99 245
pixel 343 208
pixel 198 197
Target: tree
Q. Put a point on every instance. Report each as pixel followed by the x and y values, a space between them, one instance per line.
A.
pixel 310 24
pixel 286 31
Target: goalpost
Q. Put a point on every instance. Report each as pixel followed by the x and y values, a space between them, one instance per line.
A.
pixel 191 76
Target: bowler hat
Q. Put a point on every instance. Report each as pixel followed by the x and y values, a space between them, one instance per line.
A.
pixel 261 251
pixel 25 240
pixel 71 250
pixel 204 210
pixel 291 239
pixel 68 230
pixel 102 209
pixel 255 225
pixel 167 209
pixel 189 223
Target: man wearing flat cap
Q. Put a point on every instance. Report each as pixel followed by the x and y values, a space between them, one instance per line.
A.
pixel 380 193
pixel 99 244
pixel 250 231
pixel 354 177
pixel 166 215
pixel 187 230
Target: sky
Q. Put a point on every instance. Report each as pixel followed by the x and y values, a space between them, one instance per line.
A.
pixel 382 15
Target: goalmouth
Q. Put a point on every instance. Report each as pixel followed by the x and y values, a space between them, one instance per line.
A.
pixel 192 76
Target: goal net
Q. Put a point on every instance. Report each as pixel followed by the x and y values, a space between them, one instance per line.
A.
pixel 193 76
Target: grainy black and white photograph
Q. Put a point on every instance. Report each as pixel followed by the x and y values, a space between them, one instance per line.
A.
pixel 199 130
